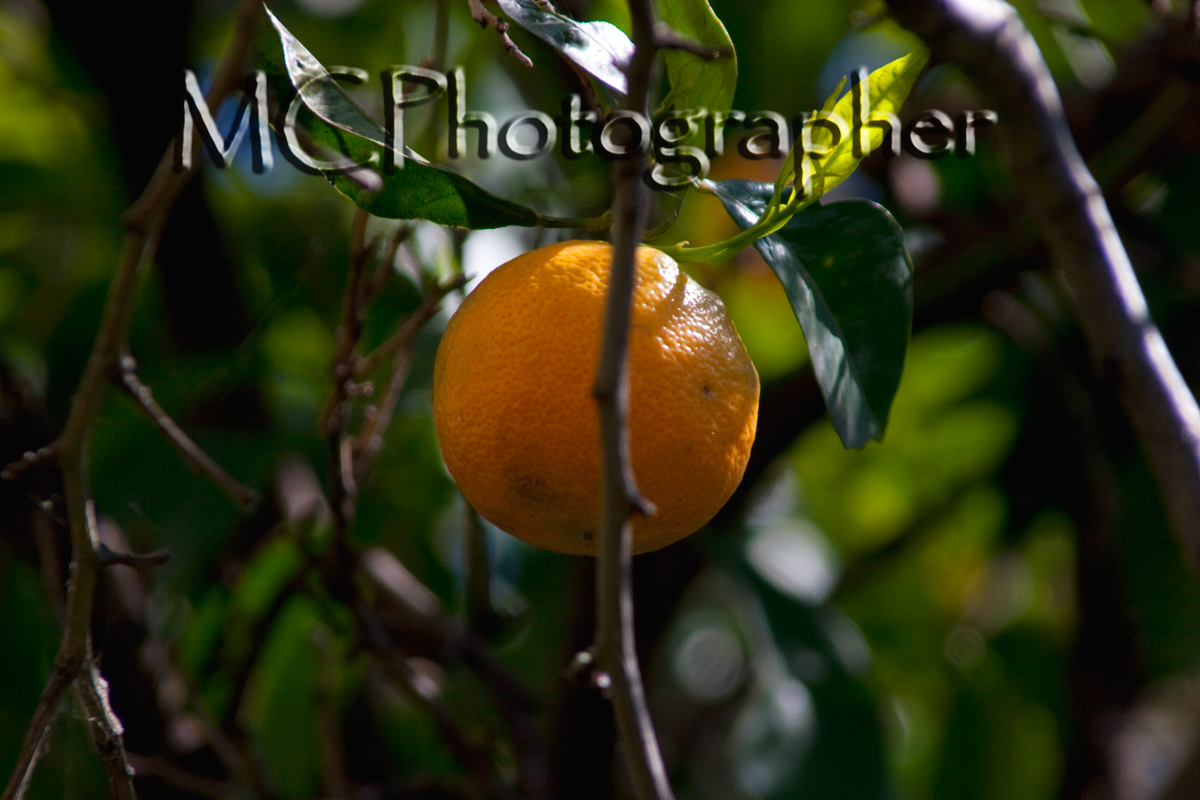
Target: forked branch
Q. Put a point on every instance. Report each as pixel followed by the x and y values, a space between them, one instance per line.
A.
pixel 143 224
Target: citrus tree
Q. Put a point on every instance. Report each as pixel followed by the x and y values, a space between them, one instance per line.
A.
pixel 450 308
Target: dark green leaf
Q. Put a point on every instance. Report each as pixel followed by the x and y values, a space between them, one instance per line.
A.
pixel 418 190
pixel 599 48
pixel 847 275
pixel 696 83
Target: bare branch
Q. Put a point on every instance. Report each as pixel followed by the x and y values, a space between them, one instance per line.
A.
pixel 143 224
pixel 614 648
pixel 476 759
pixel 410 327
pixel 377 419
pixel 486 18
pixel 30 459
pixel 106 730
pixel 178 778
pixel 200 461
pixel 989 41
pixel 422 614
pixel 109 557
pixel 481 615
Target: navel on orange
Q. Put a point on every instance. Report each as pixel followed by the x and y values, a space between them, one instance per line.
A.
pixel 515 416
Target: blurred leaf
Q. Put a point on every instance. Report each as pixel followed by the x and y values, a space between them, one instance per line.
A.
pixel 271 569
pixel 696 83
pixel 814 732
pixel 281 702
pixel 418 189
pixel 599 48
pixel 846 272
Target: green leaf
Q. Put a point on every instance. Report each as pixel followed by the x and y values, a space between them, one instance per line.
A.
pixel 848 277
pixel 696 83
pixel 888 87
pixel 599 48
pixel 418 190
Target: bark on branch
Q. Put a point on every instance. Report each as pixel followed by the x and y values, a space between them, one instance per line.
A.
pixel 614 650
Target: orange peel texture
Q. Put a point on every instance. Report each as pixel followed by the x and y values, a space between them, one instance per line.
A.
pixel 517 422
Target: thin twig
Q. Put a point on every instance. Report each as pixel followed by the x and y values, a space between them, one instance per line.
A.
pixel 387 262
pixel 341 565
pixel 143 224
pixel 476 759
pixel 343 490
pixel 200 461
pixel 178 778
pixel 486 18
pixel 421 615
pixel 989 41
pixel 614 647
pixel 377 418
pixel 109 557
pixel 410 327
pixel 28 460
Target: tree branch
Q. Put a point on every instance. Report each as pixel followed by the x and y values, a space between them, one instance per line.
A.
pixel 109 557
pixel 143 225
pixel 989 41
pixel 486 18
pixel 200 461
pixel 614 647
pixel 410 327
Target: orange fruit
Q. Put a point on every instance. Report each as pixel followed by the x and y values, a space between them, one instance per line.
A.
pixel 515 416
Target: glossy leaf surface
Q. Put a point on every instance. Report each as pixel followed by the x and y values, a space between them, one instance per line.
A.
pixel 599 48
pixel 848 277
pixel 696 83
pixel 418 190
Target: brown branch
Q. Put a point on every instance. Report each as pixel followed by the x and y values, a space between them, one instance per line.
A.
pixel 421 616
pixel 199 460
pixel 486 18
pixel 190 782
pixel 107 734
pixel 143 224
pixel 614 647
pixel 410 327
pixel 991 44
pixel 343 490
pixel 341 565
pixel 109 557
pixel 377 419
pixel 476 759
pixel 28 460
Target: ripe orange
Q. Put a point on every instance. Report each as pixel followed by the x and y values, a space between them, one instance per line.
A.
pixel 515 416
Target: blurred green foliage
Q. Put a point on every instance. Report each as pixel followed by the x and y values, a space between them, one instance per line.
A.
pixel 940 615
